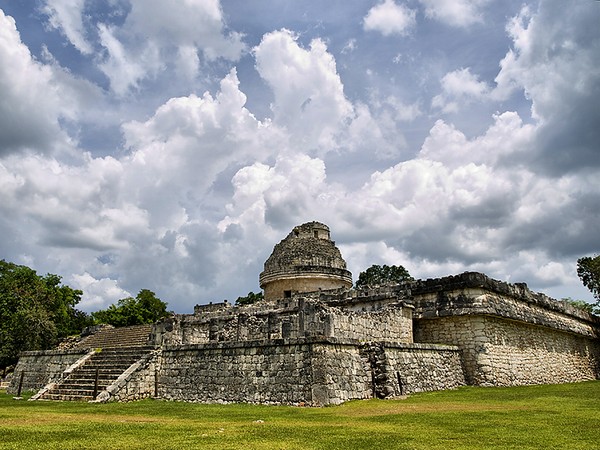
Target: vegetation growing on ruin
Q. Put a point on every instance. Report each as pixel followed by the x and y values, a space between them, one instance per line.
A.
pixel 527 417
pixel 249 299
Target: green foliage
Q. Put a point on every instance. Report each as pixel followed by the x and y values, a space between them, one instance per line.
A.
pixel 381 275
pixel 588 270
pixel 527 417
pixel 144 308
pixel 249 299
pixel 35 312
pixel 581 304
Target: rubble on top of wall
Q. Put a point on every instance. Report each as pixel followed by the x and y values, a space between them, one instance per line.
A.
pixel 517 291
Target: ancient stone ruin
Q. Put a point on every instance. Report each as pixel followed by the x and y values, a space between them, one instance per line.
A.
pixel 307 260
pixel 316 341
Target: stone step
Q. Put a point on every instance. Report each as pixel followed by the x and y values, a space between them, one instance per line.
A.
pixel 91 370
pixel 88 391
pixel 86 381
pixel 124 350
pixel 105 368
pixel 134 336
pixel 91 378
pixel 123 362
pixel 67 398
pixel 118 343
pixel 113 353
pixel 117 356
pixel 110 364
pixel 117 351
pixel 84 384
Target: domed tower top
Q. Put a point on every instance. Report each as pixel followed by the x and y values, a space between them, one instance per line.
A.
pixel 305 261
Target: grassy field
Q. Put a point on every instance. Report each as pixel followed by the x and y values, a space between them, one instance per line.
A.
pixel 531 417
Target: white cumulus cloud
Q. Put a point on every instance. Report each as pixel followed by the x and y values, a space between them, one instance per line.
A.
pixel 67 17
pixel 458 89
pixel 32 106
pixel 390 18
pixel 457 13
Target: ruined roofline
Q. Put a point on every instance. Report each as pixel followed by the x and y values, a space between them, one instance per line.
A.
pixel 306 230
pixel 415 292
pixel 475 280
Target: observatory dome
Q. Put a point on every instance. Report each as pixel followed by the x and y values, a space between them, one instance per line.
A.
pixel 305 261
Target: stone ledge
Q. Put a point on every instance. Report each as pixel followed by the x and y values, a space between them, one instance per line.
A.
pixel 420 346
pixel 305 271
pixel 306 341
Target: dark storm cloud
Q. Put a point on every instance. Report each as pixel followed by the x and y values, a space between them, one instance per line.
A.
pixel 571 231
pixel 571 142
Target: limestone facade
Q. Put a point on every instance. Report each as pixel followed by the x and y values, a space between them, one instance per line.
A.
pixel 35 369
pixel 328 346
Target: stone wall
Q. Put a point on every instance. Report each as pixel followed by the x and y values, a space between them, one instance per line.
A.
pixel 255 372
pixel 312 371
pixel 398 369
pixel 341 372
pixel 389 324
pixel 500 352
pixel 294 319
pixel 41 367
pixel 415 368
pixel 509 335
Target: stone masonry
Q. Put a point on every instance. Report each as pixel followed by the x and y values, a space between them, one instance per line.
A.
pixel 306 260
pixel 316 341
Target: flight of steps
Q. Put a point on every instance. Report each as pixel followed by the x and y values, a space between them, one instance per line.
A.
pixel 133 336
pixel 116 350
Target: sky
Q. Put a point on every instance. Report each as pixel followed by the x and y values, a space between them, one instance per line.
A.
pixel 170 145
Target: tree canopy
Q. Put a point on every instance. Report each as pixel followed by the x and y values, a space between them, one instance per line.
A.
pixel 36 312
pixel 381 275
pixel 581 304
pixel 249 299
pixel 144 308
pixel 588 269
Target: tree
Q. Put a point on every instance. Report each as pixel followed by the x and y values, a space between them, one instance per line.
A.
pixel 381 275
pixel 588 270
pixel 249 299
pixel 581 304
pixel 144 308
pixel 35 312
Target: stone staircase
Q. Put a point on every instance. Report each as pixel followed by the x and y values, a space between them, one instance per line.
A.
pixel 116 350
pixel 133 336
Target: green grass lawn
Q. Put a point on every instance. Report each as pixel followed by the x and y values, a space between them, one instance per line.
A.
pixel 530 417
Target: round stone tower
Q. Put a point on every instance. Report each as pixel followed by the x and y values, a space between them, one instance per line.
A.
pixel 305 261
